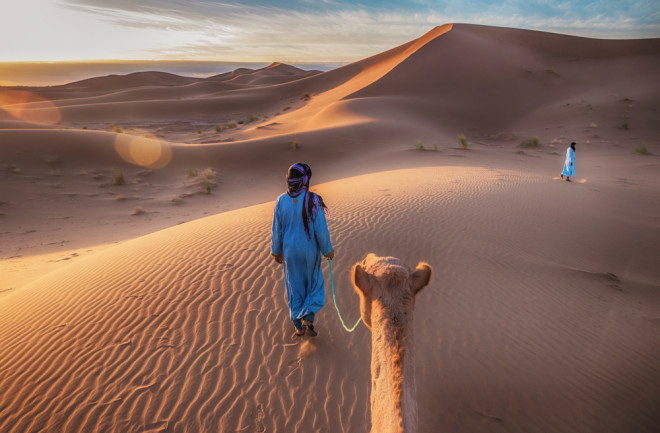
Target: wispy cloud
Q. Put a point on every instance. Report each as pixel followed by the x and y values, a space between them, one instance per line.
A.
pixel 313 31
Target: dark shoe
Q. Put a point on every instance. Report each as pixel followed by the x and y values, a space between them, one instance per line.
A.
pixel 562 176
pixel 309 328
pixel 568 179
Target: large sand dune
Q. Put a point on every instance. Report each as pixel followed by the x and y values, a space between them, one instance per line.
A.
pixel 122 311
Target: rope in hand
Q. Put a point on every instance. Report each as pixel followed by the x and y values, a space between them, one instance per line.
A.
pixel 334 298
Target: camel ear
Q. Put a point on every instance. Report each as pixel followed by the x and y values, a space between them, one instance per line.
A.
pixel 361 281
pixel 421 277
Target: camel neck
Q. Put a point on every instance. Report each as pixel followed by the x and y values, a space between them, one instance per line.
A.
pixel 393 399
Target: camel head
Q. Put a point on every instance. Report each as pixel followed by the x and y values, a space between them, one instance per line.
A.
pixel 389 286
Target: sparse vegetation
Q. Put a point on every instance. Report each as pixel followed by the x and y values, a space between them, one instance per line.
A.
pixel 625 125
pixel 530 142
pixel 240 122
pixel 231 124
pixel 84 127
pixel 204 178
pixel 118 177
pixel 177 199
pixel 295 145
pixel 120 197
pixel 435 147
pixel 462 142
pixel 286 108
pixel 137 210
pixel 305 96
pixel 251 118
pixel 642 150
pixel 419 145
pixel 116 128
pixel 220 128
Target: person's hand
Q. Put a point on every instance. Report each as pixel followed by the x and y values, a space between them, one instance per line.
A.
pixel 278 258
pixel 330 255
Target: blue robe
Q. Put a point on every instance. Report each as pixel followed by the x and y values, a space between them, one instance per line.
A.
pixel 303 277
pixel 569 163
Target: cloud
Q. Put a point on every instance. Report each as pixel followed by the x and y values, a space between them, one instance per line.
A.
pixel 304 31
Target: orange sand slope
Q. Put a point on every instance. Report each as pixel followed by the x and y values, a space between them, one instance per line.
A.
pixel 121 310
pixel 536 320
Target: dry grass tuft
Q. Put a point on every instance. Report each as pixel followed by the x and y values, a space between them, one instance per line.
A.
pixel 116 128
pixel 462 142
pixel 530 142
pixel 118 177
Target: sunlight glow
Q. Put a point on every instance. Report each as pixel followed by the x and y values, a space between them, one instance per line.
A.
pixel 29 107
pixel 143 150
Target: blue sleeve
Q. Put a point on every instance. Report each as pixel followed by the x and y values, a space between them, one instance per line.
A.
pixel 322 234
pixel 276 234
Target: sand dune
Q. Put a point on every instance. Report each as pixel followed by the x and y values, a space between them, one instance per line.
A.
pixel 186 329
pixel 152 304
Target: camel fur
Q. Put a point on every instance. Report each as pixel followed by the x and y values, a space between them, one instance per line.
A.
pixel 387 290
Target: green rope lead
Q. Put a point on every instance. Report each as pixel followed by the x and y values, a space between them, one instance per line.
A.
pixel 334 298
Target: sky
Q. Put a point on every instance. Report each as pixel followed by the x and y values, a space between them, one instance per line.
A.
pixel 296 31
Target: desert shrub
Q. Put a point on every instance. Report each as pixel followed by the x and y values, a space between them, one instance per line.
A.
pixel 642 150
pixel 219 128
pixel 462 142
pixel 231 124
pixel 204 178
pixel 295 145
pixel 435 147
pixel 625 125
pixel 240 122
pixel 118 177
pixel 117 129
pixel 286 108
pixel 419 145
pixel 177 199
pixel 137 210
pixel 207 174
pixel 305 96
pixel 251 118
pixel 529 142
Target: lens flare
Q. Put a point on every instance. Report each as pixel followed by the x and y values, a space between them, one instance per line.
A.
pixel 144 150
pixel 29 107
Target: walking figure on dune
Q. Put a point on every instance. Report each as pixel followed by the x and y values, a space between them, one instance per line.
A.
pixel 569 163
pixel 299 236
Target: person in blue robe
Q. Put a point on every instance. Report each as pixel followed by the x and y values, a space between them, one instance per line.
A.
pixel 569 163
pixel 299 236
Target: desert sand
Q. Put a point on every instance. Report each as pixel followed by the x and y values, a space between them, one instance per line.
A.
pixel 137 292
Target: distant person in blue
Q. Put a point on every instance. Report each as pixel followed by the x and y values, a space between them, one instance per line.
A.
pixel 569 163
pixel 299 237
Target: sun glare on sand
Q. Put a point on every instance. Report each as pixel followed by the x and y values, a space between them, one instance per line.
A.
pixel 145 150
pixel 29 107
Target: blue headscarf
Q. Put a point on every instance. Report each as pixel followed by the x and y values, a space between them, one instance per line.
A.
pixel 297 180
